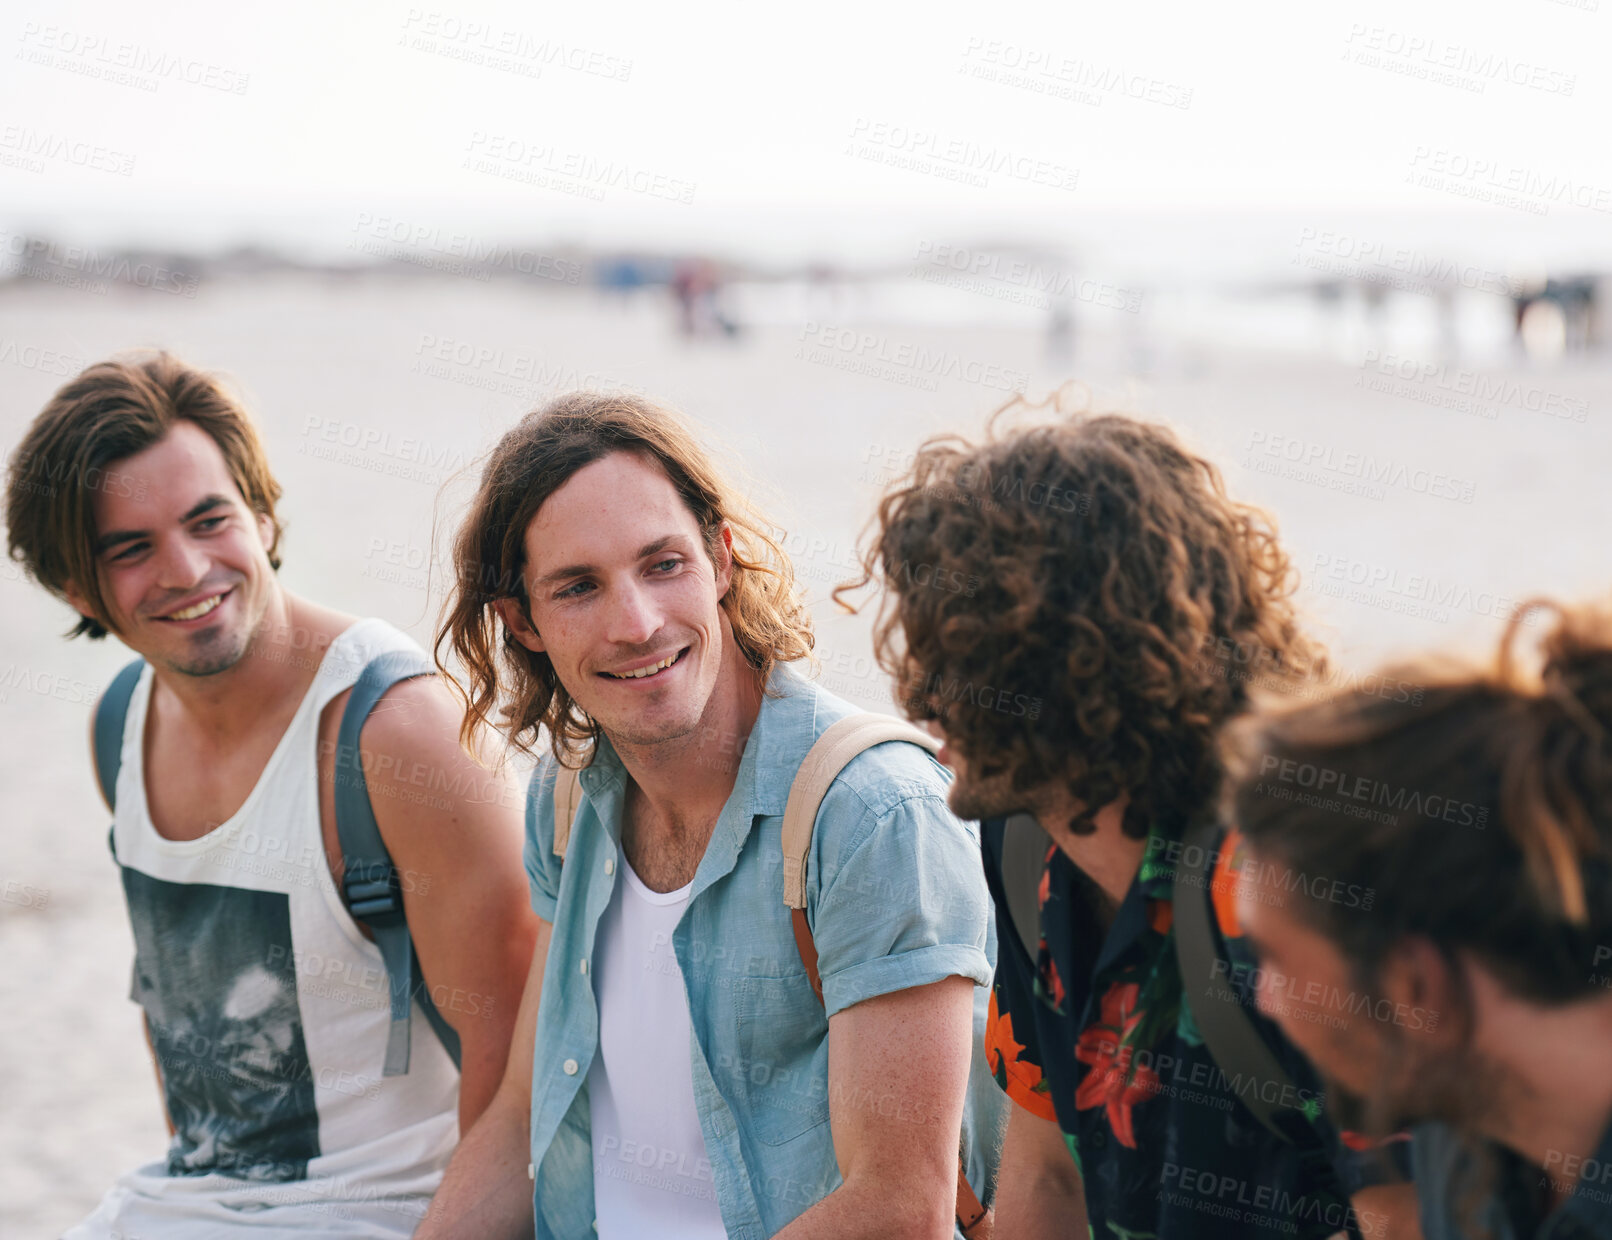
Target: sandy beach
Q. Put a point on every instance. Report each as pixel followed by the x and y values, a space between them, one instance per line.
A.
pixel 1420 504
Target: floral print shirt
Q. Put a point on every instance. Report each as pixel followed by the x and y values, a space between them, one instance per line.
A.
pixel 1097 1036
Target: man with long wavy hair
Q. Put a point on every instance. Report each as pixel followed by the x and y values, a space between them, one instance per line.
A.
pixel 1120 604
pixel 675 1074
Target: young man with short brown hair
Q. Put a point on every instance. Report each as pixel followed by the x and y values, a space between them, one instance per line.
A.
pixel 308 1073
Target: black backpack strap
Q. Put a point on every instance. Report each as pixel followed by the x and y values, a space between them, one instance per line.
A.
pixel 110 712
pixel 371 887
pixel 1023 862
pixel 1236 1045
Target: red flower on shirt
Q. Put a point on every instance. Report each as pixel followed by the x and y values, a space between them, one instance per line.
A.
pixel 1114 1081
pixel 1018 1075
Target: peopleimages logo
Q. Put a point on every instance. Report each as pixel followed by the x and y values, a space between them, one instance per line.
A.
pixel 1229 1197
pixel 1253 873
pixel 1358 466
pixel 920 150
pixel 1499 389
pixel 1450 63
pixel 1046 72
pixel 1331 782
pixel 429 245
pixel 127 64
pixel 90 268
pixel 864 351
pixel 1313 999
pixel 1377 261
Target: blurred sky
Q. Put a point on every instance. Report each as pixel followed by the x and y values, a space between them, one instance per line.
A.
pixel 761 115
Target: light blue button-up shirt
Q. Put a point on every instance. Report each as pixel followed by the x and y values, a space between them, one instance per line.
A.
pixel 896 897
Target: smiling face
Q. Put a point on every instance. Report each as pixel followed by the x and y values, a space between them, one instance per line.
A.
pixel 184 568
pixel 625 600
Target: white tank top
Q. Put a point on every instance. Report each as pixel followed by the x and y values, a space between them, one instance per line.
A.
pixel 651 1176
pixel 269 1010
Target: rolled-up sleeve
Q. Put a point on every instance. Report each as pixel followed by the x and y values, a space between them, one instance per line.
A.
pixel 904 905
pixel 542 866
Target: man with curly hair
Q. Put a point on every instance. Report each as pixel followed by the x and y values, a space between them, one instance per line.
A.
pixel 1119 607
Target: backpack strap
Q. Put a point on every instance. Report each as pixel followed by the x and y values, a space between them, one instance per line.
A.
pixel 370 886
pixel 1237 1048
pixel 110 713
pixel 567 799
pixel 1023 862
pixel 829 755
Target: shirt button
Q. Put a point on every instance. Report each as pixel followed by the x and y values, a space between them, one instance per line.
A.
pixel 584 964
pixel 610 865
pixel 569 1067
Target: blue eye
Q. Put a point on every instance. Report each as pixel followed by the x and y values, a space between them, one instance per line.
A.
pixel 664 563
pixel 570 590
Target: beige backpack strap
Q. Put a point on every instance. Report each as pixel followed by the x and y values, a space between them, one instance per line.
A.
pixel 567 797
pixel 830 755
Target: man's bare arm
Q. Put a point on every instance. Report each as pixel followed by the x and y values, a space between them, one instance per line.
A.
pixel 1039 1195
pixel 897 1078
pixel 464 887
pixel 486 1194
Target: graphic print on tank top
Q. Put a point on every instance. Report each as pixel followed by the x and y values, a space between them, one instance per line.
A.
pixel 214 971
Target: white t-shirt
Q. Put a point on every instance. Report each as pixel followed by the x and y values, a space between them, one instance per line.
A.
pixel 651 1176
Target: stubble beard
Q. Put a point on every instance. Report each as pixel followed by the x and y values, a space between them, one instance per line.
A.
pixel 974 799
pixel 631 731
pixel 1456 1087
pixel 220 651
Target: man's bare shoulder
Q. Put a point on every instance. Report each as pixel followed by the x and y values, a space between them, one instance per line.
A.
pixel 418 715
pixel 418 773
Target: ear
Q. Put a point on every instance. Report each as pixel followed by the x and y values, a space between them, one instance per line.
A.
pixel 76 600
pixel 1424 991
pixel 265 529
pixel 509 611
pixel 724 562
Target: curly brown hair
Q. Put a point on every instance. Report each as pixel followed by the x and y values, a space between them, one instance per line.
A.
pixel 531 462
pixel 1066 599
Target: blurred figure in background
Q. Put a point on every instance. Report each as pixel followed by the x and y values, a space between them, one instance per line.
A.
pixel 1477 994
pixel 697 286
